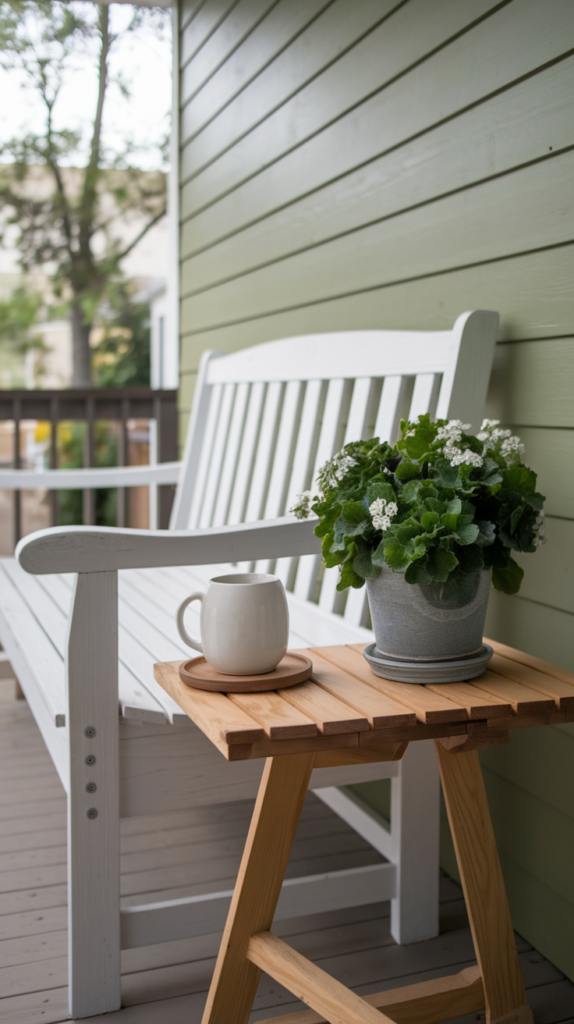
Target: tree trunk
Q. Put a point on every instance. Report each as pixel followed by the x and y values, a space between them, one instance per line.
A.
pixel 82 356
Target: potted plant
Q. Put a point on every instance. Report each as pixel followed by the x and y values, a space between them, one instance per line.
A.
pixel 427 523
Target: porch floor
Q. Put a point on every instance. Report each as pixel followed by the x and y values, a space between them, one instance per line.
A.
pixel 167 983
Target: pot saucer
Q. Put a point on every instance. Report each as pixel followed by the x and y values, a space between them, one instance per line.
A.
pixel 449 670
pixel 292 669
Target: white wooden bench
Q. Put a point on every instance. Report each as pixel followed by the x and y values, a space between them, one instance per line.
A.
pixel 263 420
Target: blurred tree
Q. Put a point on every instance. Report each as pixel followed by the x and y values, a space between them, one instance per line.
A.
pixel 18 314
pixel 121 356
pixel 73 226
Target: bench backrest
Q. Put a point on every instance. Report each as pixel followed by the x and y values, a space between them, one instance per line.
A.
pixel 264 419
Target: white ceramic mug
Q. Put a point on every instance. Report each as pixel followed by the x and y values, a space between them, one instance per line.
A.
pixel 244 623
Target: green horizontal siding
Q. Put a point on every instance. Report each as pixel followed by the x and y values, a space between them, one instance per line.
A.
pixel 392 164
pixel 512 285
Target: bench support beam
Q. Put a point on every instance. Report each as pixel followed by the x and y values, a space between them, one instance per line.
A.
pixel 310 894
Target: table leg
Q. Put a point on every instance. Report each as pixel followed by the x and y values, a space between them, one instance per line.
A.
pixel 483 887
pixel 277 810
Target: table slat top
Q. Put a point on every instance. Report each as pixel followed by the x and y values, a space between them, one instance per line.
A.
pixel 345 705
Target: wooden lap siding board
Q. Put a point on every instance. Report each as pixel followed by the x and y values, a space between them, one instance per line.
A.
pixel 333 177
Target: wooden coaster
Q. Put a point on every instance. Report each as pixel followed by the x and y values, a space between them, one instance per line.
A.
pixel 294 668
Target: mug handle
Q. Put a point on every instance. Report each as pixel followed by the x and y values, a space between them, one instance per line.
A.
pixel 181 628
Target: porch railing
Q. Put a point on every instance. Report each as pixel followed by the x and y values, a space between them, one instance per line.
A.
pixel 117 405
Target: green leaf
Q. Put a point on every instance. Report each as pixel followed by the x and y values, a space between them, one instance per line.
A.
pixel 456 592
pixel 332 555
pixel 492 480
pixel 467 533
pixel 424 435
pixel 427 490
pixel 486 533
pixel 417 547
pixel 327 522
pixel 418 573
pixel 520 479
pixel 448 475
pixel 516 517
pixel 429 520
pixel 379 490
pixel 354 512
pixel 395 554
pixel 449 520
pixel 349 578
pixel 344 529
pixel 536 501
pixel 409 529
pixel 441 563
pixel 364 566
pixel 469 558
pixel 507 579
pixel 411 490
pixel 407 470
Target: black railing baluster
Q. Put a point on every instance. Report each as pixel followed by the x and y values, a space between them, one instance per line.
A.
pixel 17 416
pixel 53 495
pixel 123 496
pixel 89 496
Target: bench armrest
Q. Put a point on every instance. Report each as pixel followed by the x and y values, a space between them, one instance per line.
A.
pixel 88 549
pixel 82 479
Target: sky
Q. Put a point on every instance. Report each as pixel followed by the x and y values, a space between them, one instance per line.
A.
pixel 142 59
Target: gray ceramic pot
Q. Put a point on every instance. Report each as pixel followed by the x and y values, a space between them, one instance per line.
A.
pixel 418 624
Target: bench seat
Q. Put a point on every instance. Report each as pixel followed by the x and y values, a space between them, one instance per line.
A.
pixel 154 733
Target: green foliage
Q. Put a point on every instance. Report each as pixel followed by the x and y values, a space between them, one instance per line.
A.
pixel 71 440
pixel 438 506
pixel 122 356
pixel 17 317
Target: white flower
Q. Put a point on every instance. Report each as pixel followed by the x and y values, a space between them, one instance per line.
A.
pixel 302 506
pixel 344 464
pixel 509 444
pixel 540 537
pixel 465 458
pixel 453 431
pixel 381 522
pixel 337 469
pixel 489 424
pixel 377 507
pixel 382 512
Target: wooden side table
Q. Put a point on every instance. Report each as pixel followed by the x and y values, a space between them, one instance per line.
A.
pixel 347 715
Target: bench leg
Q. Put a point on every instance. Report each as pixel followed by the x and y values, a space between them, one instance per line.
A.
pixel 279 803
pixel 483 887
pixel 93 799
pixel 415 808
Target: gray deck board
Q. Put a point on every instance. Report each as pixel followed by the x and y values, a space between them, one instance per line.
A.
pixel 181 853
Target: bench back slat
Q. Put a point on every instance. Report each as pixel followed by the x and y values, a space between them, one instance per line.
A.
pixel 266 418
